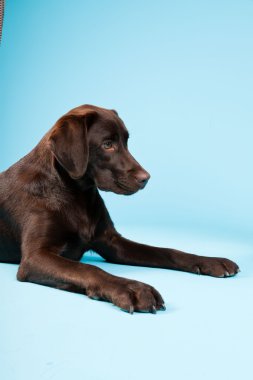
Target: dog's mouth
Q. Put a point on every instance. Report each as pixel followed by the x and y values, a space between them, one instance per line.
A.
pixel 119 188
pixel 125 189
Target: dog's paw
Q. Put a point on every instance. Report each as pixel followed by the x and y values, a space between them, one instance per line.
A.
pixel 137 296
pixel 216 267
pixel 130 296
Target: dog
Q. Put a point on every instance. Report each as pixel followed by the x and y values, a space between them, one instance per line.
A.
pixel 51 212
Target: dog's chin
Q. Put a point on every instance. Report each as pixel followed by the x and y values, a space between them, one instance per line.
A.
pixel 125 192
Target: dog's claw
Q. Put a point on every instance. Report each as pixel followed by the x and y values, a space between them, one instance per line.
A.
pixel 131 309
pixel 153 310
pixel 163 307
pixel 198 270
pixel 227 274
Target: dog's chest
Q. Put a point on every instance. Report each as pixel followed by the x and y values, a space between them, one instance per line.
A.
pixel 86 230
pixel 83 219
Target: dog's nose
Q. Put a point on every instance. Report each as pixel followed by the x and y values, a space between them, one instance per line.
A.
pixel 142 178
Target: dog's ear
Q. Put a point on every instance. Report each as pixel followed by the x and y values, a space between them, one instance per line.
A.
pixel 69 144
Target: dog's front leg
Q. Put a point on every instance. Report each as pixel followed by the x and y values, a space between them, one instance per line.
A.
pixel 45 267
pixel 48 269
pixel 115 248
pixel 41 264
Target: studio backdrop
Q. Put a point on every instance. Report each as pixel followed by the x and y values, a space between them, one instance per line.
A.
pixel 178 73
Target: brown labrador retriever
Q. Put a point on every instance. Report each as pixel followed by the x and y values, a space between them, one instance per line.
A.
pixel 51 213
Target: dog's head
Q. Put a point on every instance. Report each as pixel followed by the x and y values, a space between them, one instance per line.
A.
pixel 91 142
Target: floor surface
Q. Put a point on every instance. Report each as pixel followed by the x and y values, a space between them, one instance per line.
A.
pixel 206 331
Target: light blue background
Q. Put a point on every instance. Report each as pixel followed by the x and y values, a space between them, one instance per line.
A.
pixel 180 75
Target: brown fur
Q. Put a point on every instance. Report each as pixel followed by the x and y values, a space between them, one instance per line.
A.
pixel 51 213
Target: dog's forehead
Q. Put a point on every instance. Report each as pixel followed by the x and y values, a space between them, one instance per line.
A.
pixel 108 126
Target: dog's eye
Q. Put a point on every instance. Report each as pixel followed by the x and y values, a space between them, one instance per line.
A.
pixel 108 145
